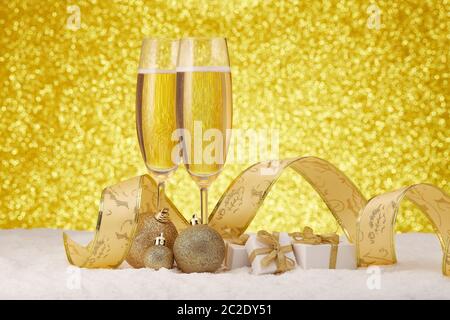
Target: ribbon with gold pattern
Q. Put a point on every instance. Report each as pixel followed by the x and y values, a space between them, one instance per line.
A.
pixel 243 198
pixel 274 252
pixel 309 237
pixel 121 206
pixel 375 242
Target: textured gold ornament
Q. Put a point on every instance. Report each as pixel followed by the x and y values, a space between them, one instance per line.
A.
pixel 158 256
pixel 149 227
pixel 199 249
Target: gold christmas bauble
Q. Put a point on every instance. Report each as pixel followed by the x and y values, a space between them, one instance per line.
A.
pixel 199 249
pixel 158 256
pixel 149 227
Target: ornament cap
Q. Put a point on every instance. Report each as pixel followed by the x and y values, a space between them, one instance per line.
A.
pixel 194 220
pixel 160 240
pixel 162 215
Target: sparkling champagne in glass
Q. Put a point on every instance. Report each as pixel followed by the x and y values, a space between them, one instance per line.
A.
pixel 204 109
pixel 156 109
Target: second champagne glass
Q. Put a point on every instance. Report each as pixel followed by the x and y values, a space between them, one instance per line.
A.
pixel 204 109
pixel 155 108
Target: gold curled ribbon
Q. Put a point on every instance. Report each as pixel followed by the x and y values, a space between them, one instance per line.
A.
pixel 274 252
pixel 309 237
pixel 245 195
pixel 375 242
pixel 121 206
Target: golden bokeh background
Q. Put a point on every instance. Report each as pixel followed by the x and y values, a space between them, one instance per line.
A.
pixel 370 98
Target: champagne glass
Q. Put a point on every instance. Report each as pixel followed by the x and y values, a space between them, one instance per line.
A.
pixel 156 109
pixel 204 110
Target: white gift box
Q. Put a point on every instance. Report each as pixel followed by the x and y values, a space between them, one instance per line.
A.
pixel 317 256
pixel 236 256
pixel 253 243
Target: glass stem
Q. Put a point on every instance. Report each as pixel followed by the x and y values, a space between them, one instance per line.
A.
pixel 204 204
pixel 159 199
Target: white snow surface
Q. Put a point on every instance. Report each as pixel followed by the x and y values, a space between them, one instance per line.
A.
pixel 33 265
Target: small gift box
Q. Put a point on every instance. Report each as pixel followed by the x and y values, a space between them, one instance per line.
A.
pixel 313 251
pixel 270 253
pixel 236 255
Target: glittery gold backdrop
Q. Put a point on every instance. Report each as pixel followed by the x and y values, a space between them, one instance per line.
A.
pixel 362 84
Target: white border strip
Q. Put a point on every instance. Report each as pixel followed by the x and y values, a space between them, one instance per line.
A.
pixel 154 70
pixel 204 69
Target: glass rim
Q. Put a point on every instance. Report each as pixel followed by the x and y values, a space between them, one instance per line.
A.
pixel 203 38
pixel 170 39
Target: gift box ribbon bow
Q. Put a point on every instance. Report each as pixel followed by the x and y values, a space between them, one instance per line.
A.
pixel 241 240
pixel 309 237
pixel 232 236
pixel 274 252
